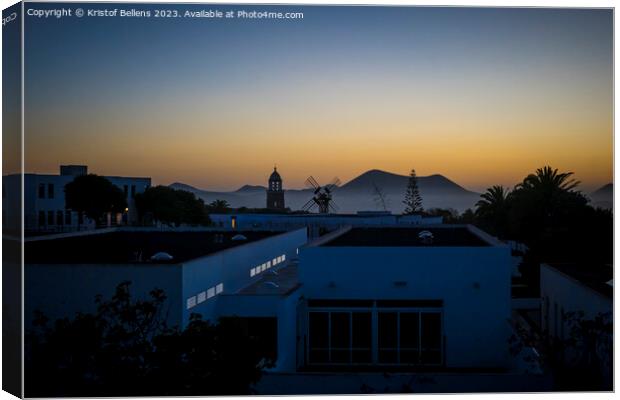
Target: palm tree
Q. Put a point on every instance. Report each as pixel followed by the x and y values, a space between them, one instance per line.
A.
pixel 492 209
pixel 548 180
pixel 493 199
pixel 219 206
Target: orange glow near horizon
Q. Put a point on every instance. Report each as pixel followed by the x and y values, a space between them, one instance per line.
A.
pixel 481 96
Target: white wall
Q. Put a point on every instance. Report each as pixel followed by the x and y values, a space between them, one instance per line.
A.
pixel 232 267
pixel 473 282
pixel 62 290
pixel 570 295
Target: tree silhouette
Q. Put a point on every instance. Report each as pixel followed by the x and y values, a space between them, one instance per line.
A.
pixel 126 348
pixel 219 206
pixel 492 210
pixel 172 206
pixel 413 199
pixel 95 196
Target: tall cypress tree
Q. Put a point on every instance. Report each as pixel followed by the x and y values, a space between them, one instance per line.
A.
pixel 413 199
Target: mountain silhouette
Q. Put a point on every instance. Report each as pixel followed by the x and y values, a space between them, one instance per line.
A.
pixel 359 194
pixel 603 197
pixel 391 182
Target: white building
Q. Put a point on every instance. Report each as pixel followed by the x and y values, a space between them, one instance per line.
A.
pixel 318 224
pixel 64 273
pixel 44 201
pixel 433 299
pixel 577 292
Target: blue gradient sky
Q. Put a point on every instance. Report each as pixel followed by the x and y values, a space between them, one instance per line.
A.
pixel 483 96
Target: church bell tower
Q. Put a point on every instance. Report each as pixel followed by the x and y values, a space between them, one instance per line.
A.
pixel 275 193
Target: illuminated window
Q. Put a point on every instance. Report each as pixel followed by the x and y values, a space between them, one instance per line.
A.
pixel 210 292
pixel 202 296
pixel 283 257
pixel 253 272
pixel 219 288
pixel 191 302
pixel 268 264
pixel 274 261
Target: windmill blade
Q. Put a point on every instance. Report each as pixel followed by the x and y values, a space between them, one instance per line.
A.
pixel 312 183
pixel 311 203
pixel 332 185
pixel 334 182
pixel 333 206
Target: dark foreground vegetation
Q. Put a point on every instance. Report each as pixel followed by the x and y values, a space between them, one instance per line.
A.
pixel 125 348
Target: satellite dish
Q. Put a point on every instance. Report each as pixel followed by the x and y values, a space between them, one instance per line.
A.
pixel 426 237
pixel 161 256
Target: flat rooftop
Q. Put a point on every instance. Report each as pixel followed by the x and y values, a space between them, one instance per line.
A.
pixel 442 236
pixel 130 247
pixel 274 282
pixel 595 276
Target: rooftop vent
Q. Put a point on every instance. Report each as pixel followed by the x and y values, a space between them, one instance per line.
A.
pixel 425 237
pixel 237 238
pixel 161 256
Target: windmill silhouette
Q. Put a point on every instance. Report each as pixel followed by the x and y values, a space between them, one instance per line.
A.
pixel 322 197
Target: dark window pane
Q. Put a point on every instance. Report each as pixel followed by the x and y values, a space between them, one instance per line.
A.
pixel 318 356
pixel 362 329
pixel 41 190
pixel 431 330
pixel 340 330
pixel 50 217
pixel 408 356
pixel 431 357
pixel 340 355
pixel 362 356
pixel 409 330
pixel 318 330
pixel 59 218
pixel 68 217
pixel 387 330
pixel 50 191
pixel 41 218
pixel 387 356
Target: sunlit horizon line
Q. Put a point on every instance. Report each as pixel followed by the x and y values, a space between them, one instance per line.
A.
pixel 584 186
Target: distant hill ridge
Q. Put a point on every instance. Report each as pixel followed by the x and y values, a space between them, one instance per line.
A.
pixel 356 195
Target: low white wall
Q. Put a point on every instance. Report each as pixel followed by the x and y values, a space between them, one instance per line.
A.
pixel 231 268
pixel 61 290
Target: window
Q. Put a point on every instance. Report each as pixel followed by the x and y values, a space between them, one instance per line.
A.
pixel 50 190
pixel 219 288
pixel 133 191
pixel 402 336
pixel 41 190
pixel 59 218
pixel 202 296
pixel 50 217
pixel 41 218
pixel 340 337
pixel 253 272
pixel 67 217
pixel 210 292
pixel 191 302
pixel 125 190
pixel 283 257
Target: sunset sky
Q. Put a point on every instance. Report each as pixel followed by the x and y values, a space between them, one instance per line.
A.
pixel 482 96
